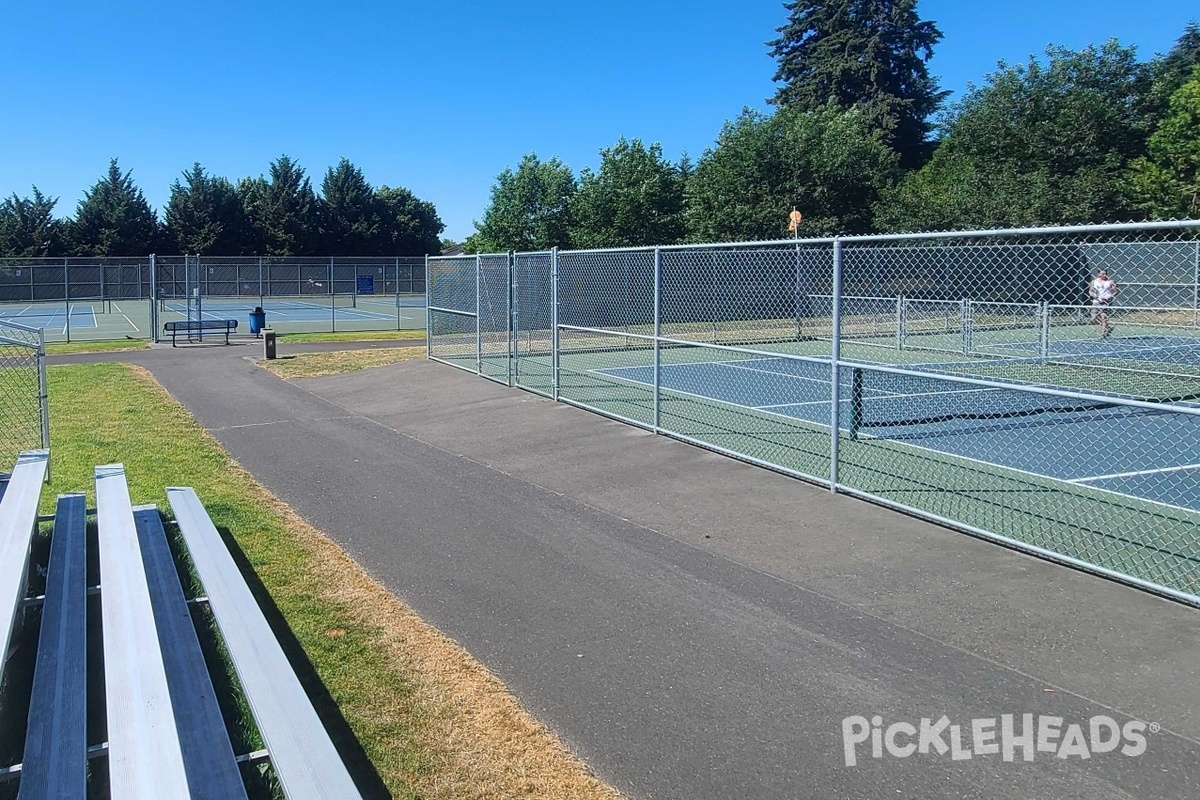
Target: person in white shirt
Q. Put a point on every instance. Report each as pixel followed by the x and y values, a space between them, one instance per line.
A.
pixel 1103 290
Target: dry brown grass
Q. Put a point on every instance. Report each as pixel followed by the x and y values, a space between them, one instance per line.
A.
pixel 314 365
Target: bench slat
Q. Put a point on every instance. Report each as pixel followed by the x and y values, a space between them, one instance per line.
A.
pixel 204 741
pixel 55 763
pixel 18 517
pixel 201 325
pixel 304 757
pixel 144 756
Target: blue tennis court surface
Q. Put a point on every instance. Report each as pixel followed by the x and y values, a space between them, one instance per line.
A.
pixel 1149 454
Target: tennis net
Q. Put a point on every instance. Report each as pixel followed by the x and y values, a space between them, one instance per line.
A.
pixel 883 397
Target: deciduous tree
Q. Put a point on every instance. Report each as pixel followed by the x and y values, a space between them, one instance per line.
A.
pixel 1040 143
pixel 530 208
pixel 409 225
pixel 634 198
pixel 1166 184
pixel 825 162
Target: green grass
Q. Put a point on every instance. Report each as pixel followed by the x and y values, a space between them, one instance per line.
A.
pixel 120 345
pixel 107 413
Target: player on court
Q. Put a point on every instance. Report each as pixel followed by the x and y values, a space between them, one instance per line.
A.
pixel 1103 290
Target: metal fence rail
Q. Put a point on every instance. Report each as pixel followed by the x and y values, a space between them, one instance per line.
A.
pixel 114 298
pixel 971 378
pixel 24 407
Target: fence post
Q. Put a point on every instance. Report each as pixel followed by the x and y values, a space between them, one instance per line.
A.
pixel 967 325
pixel 260 282
pixel 835 408
pixel 67 298
pixel 900 309
pixel 396 283
pixel 1196 289
pixel 514 375
pixel 1044 332
pixel 553 321
pixel 332 300
pixel 153 300
pixel 478 329
pixel 43 396
pixel 657 334
pixel 428 316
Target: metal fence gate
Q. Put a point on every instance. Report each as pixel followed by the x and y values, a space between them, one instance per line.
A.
pixel 993 381
pixel 24 402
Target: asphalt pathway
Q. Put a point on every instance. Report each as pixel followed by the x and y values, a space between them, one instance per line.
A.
pixel 695 627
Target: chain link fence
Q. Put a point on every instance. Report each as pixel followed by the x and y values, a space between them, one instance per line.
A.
pixel 24 410
pixel 114 298
pixel 1038 387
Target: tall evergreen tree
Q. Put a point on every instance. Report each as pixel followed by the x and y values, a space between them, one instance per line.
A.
pixel 351 218
pixel 409 226
pixel 113 218
pixel 866 53
pixel 204 215
pixel 283 210
pixel 635 198
pixel 28 228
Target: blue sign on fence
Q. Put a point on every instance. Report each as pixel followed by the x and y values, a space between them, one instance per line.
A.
pixel 366 284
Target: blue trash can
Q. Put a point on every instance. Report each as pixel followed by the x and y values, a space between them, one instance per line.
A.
pixel 258 320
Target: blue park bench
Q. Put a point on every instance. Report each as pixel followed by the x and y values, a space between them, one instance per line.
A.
pixel 190 326
pixel 166 735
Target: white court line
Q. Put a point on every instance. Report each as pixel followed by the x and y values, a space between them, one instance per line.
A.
pixel 127 319
pixel 1135 474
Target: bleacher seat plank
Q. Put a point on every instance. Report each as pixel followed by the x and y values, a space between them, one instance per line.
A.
pixel 208 756
pixel 18 519
pixel 144 755
pixel 55 763
pixel 305 759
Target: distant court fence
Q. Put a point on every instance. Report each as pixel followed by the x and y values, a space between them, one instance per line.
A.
pixel 987 380
pixel 113 298
pixel 24 406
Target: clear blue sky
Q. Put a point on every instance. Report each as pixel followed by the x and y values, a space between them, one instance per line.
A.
pixel 436 96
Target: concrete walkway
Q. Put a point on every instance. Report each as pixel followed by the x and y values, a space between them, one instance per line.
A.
pixel 695 627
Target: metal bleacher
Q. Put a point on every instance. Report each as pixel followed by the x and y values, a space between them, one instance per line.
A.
pixel 167 737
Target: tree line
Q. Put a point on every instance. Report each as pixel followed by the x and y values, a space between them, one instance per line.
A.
pixel 861 140
pixel 275 214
